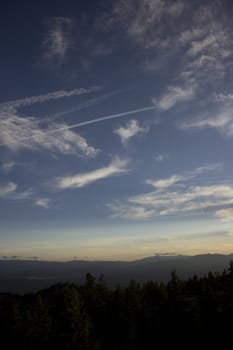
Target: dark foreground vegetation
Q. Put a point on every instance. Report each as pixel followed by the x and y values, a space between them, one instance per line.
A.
pixel 196 313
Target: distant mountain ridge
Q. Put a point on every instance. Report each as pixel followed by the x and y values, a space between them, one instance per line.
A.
pixel 25 276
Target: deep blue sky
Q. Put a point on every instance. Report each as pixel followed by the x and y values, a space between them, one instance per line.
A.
pixel 116 128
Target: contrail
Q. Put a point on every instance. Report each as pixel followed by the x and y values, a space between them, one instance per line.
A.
pixel 101 119
pixel 83 105
pixel 91 121
pixel 28 101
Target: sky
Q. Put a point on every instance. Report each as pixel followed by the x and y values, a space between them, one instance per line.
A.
pixel 116 128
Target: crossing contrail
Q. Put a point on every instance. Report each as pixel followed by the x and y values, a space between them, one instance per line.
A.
pixel 89 122
pixel 83 105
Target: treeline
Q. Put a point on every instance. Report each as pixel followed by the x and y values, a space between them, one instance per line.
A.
pixel 196 313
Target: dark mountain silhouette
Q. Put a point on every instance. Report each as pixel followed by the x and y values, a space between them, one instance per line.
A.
pixel 193 313
pixel 23 276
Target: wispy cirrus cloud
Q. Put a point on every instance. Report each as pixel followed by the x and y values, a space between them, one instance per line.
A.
pixel 190 34
pixel 224 97
pixel 7 189
pixel 167 182
pixel 116 167
pixel 198 36
pixel 28 101
pixel 18 133
pixel 174 95
pixel 226 214
pixel 126 211
pixel 58 39
pixel 199 46
pixel 176 196
pixel 131 129
pixel 42 202
pixel 221 119
pixel 10 191
pixel 142 18
pixel 191 200
pixel 208 52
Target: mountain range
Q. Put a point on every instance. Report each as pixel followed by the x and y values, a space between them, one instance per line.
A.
pixel 26 276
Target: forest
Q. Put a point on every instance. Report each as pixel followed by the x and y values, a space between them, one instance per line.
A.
pixel 193 313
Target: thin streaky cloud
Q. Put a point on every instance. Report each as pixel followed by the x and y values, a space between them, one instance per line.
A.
pixel 199 46
pixel 20 133
pixel 161 184
pixel 225 214
pixel 190 200
pixel 174 95
pixel 117 166
pixel 219 119
pixel 7 189
pixel 223 97
pixel 125 211
pixel 164 183
pixel 111 116
pixel 77 125
pixel 83 105
pixel 28 101
pixel 174 196
pixel 42 202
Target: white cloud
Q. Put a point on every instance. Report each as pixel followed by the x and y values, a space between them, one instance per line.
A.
pixel 11 191
pixel 167 182
pixel 42 202
pixel 225 214
pixel 164 183
pixel 199 36
pixel 18 133
pixel 125 211
pixel 223 97
pixel 183 195
pixel 189 35
pixel 202 45
pixel 220 119
pixel 181 200
pixel 188 200
pixel 117 166
pixel 7 189
pixel 132 129
pixel 22 132
pixel 208 56
pixel 141 18
pixel 174 95
pixel 58 38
